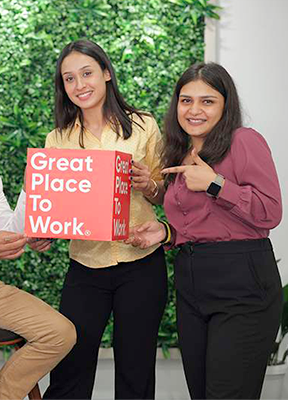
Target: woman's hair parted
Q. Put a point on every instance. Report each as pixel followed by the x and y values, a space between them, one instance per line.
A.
pixel 217 143
pixel 115 109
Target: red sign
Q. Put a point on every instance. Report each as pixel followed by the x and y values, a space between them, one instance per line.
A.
pixel 77 194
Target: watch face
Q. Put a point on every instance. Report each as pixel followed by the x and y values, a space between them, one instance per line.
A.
pixel 213 189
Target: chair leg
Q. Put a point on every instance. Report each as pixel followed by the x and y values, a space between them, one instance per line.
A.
pixel 35 393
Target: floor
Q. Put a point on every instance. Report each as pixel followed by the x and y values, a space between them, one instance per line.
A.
pixel 170 380
pixel 170 384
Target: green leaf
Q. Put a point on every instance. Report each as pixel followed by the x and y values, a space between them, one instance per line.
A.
pixel 166 352
pixel 4 69
pixel 203 3
pixel 285 293
pixel 7 122
pixel 194 15
pixel 16 110
pixel 178 2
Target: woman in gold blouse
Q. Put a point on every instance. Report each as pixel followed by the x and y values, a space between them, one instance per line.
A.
pixel 107 277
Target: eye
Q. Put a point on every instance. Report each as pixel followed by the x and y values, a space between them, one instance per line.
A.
pixel 207 101
pixel 69 79
pixel 87 73
pixel 185 101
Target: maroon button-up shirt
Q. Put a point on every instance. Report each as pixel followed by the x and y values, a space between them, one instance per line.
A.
pixel 248 206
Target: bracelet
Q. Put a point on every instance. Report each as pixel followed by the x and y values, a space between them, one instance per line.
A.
pixel 154 191
pixel 168 236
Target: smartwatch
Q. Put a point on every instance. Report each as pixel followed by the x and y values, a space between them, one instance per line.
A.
pixel 215 186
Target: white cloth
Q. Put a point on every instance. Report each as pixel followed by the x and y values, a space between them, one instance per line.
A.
pixel 12 221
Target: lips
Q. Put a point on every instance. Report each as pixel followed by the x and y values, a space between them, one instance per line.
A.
pixel 85 95
pixel 196 121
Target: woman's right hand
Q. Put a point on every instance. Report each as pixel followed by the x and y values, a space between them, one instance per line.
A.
pixel 146 235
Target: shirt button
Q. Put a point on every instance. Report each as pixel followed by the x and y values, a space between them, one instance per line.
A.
pixel 185 232
pixel 179 204
pixel 184 213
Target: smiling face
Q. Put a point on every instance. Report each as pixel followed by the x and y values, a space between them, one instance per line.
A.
pixel 84 80
pixel 199 109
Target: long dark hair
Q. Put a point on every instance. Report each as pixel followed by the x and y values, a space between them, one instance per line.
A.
pixel 218 142
pixel 115 109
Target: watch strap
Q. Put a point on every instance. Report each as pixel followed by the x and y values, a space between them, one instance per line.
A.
pixel 219 179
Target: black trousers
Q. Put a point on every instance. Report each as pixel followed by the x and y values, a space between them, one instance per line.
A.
pixel 229 302
pixel 136 292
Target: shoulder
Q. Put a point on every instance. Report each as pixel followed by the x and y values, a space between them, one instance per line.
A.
pixel 52 135
pixel 52 138
pixel 248 140
pixel 248 146
pixel 247 137
pixel 143 118
pixel 145 122
pixel 55 138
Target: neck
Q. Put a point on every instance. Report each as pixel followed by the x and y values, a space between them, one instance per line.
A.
pixel 94 118
pixel 197 143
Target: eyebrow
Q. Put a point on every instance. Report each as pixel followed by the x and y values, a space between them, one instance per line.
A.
pixel 80 69
pixel 201 97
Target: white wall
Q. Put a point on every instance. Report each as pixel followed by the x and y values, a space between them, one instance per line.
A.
pixel 251 42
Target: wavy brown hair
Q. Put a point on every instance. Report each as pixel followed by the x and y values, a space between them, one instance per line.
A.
pixel 218 142
pixel 115 109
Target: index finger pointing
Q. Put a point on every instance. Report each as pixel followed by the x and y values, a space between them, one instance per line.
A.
pixel 174 170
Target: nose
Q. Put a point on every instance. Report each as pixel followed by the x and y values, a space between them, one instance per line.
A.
pixel 80 83
pixel 195 108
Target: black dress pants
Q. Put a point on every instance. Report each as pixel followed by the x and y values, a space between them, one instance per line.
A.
pixel 229 303
pixel 136 292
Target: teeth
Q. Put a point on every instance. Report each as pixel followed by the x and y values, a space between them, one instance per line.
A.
pixel 84 94
pixel 196 120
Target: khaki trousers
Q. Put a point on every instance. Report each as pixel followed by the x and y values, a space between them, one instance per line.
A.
pixel 50 336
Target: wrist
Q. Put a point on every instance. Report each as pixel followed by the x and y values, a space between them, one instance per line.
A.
pixel 153 189
pixel 168 233
pixel 216 186
pixel 211 180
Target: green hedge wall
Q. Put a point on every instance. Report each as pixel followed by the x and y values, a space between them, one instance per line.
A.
pixel 150 44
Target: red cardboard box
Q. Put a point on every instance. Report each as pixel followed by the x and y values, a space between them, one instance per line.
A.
pixel 77 194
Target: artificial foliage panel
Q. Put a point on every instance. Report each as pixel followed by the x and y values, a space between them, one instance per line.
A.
pixel 150 44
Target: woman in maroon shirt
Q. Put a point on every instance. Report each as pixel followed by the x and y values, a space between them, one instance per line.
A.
pixel 222 199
